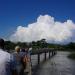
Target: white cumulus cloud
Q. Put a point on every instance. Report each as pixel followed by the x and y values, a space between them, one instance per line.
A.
pixel 45 27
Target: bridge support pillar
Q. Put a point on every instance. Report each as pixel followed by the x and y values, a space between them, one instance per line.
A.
pixel 45 55
pixel 38 58
pixel 49 55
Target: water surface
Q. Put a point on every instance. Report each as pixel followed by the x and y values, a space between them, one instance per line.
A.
pixel 57 65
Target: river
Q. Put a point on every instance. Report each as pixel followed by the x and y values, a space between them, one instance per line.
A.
pixel 57 65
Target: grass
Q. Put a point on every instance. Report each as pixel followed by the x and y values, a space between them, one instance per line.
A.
pixel 72 56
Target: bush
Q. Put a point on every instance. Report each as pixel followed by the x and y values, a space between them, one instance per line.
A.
pixel 72 56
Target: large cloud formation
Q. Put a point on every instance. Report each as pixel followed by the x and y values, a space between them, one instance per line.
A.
pixel 45 27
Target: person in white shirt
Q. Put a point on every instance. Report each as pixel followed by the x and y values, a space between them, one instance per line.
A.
pixel 7 65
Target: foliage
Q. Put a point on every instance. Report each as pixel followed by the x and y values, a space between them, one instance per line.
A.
pixel 39 44
pixel 72 56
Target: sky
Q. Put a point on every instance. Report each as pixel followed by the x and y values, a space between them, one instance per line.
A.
pixel 22 13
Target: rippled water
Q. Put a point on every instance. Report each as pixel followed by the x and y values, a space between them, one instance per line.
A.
pixel 57 65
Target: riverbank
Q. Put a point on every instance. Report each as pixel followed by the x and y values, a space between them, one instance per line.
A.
pixel 72 55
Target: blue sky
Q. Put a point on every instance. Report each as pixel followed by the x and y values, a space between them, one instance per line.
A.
pixel 22 12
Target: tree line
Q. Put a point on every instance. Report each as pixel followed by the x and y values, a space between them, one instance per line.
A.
pixel 39 44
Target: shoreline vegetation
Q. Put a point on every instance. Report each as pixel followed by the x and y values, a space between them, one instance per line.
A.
pixel 36 45
pixel 72 56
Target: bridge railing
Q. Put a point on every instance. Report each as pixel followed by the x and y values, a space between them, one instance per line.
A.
pixel 38 52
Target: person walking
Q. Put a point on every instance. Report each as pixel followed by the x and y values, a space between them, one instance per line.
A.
pixel 18 60
pixel 27 59
pixel 7 66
